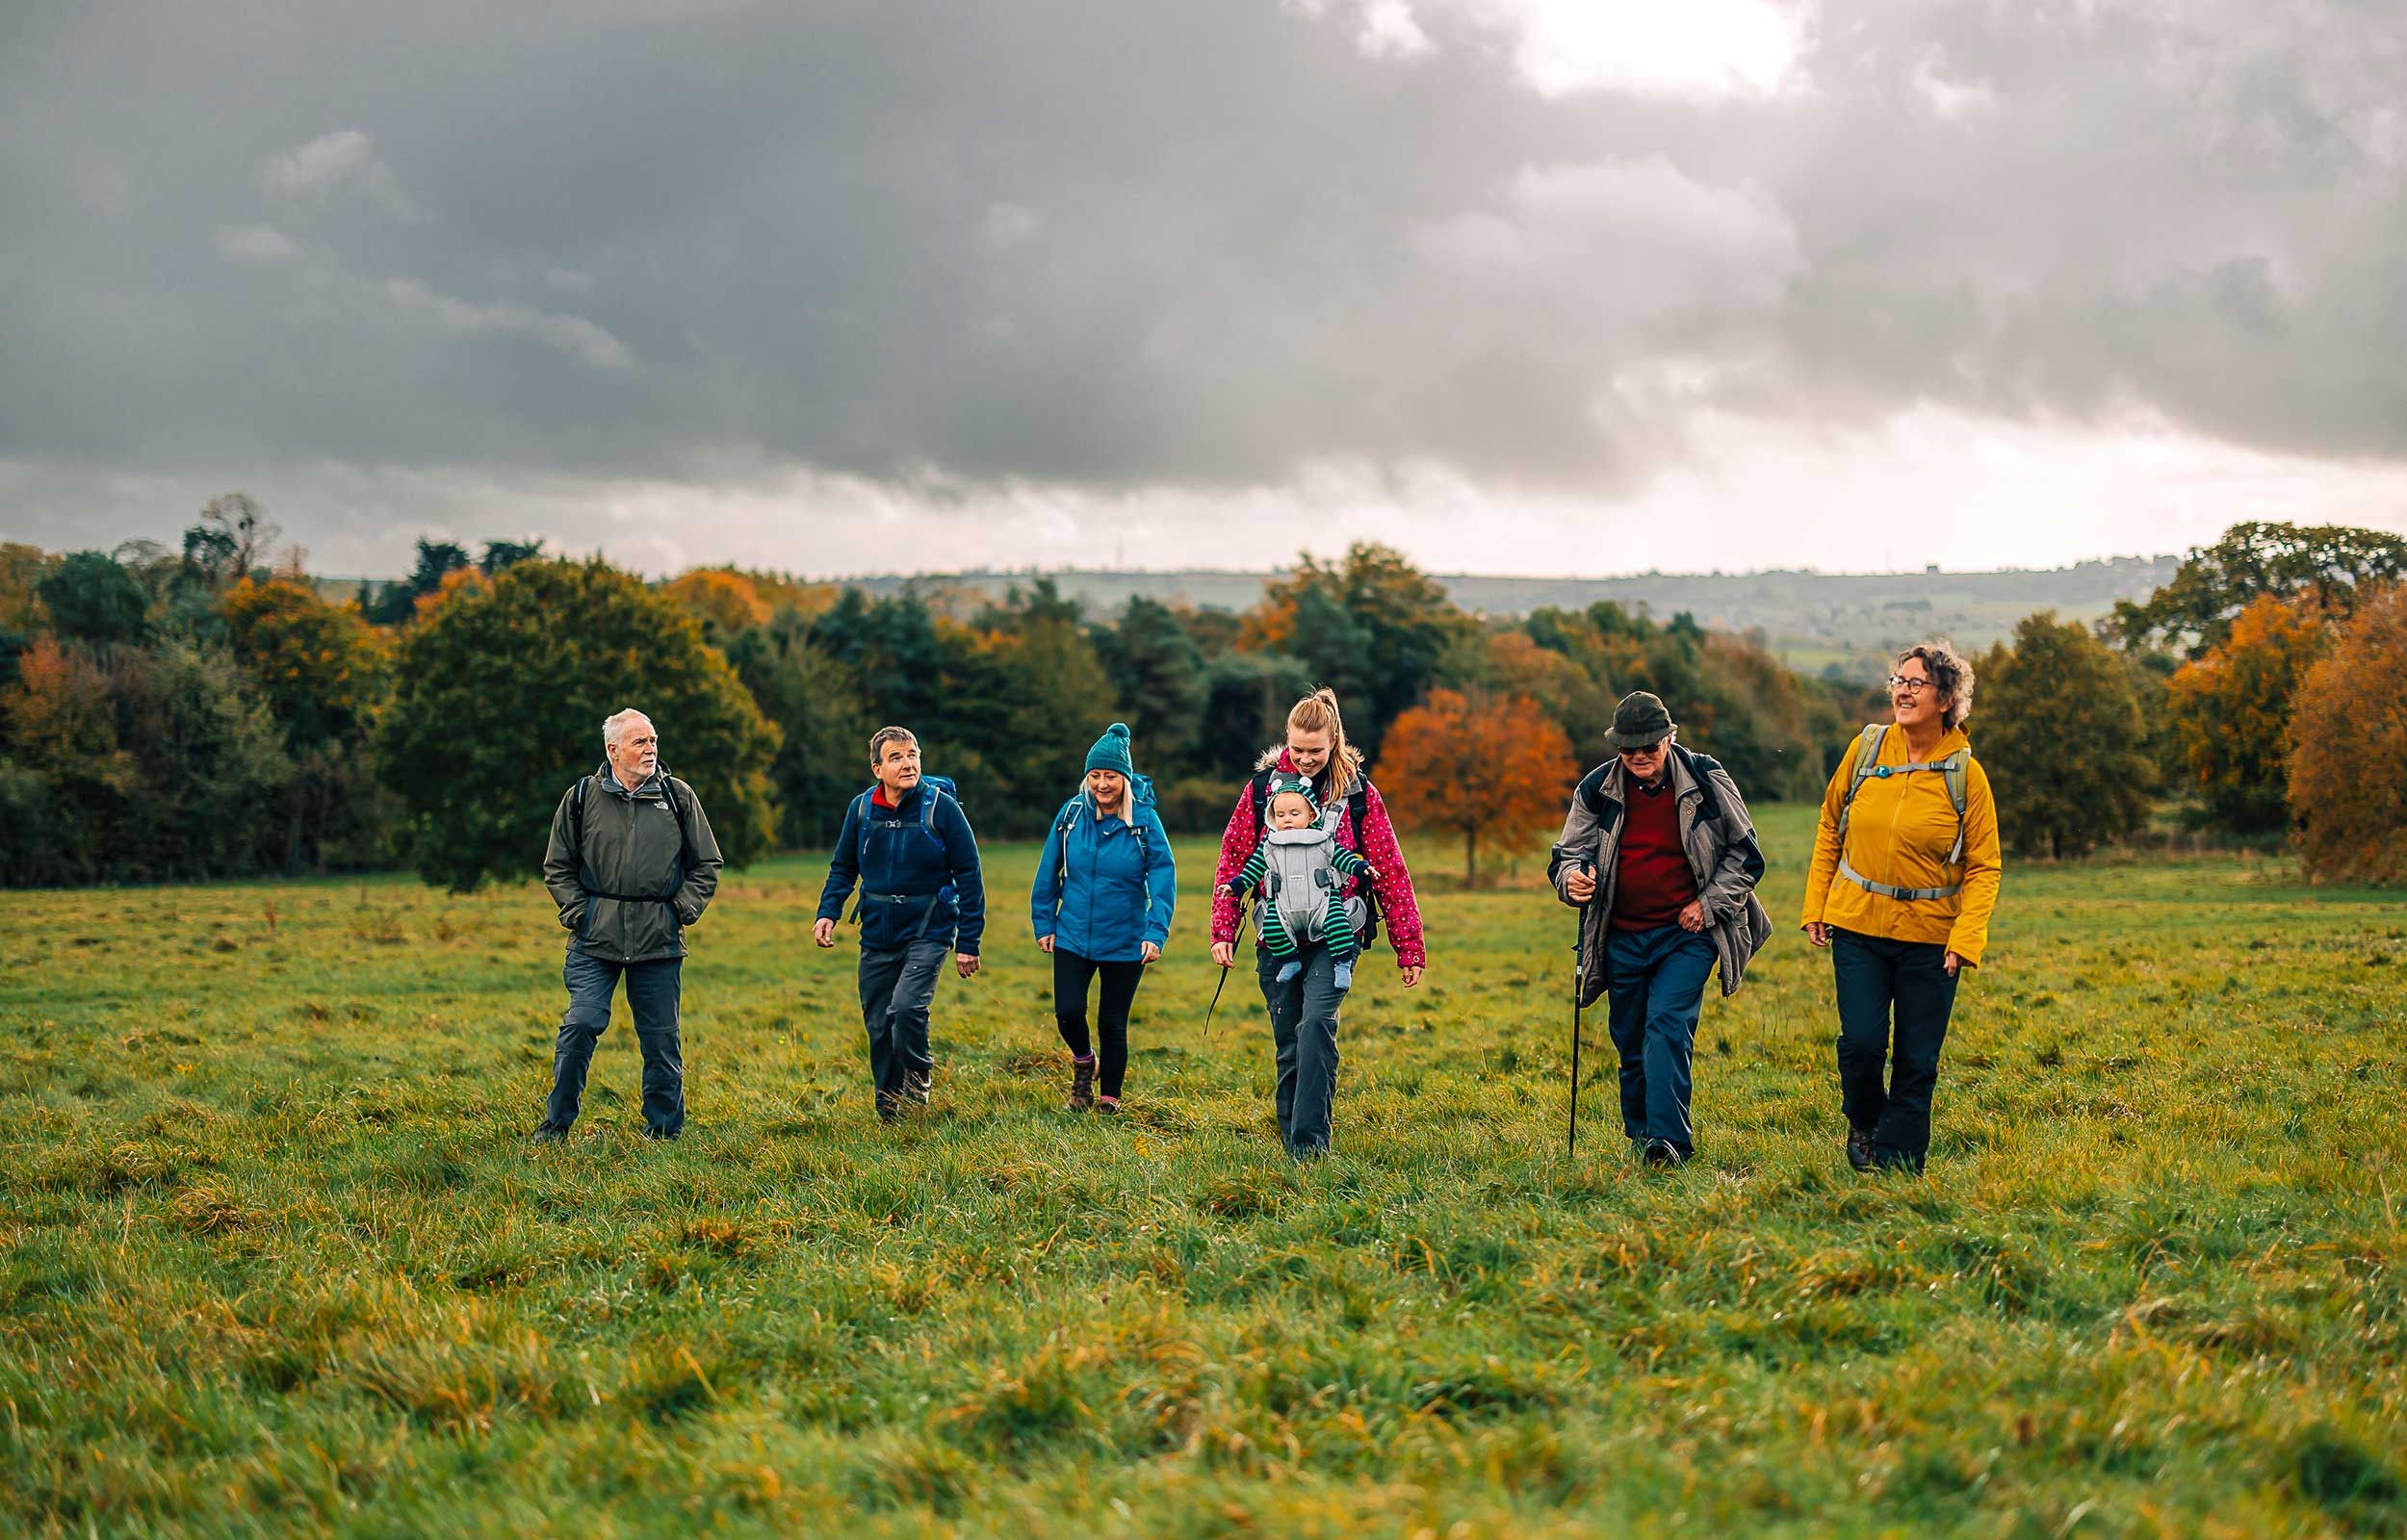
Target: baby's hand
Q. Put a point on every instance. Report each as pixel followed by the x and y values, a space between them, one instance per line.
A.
pixel 1225 888
pixel 1370 872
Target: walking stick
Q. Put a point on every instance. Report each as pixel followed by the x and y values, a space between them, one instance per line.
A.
pixel 1242 920
pixel 1579 981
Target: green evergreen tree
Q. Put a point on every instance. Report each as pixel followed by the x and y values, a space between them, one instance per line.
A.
pixel 1157 673
pixel 91 598
pixel 824 727
pixel 2060 734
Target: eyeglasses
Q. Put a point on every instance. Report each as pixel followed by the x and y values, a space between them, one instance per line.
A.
pixel 1899 682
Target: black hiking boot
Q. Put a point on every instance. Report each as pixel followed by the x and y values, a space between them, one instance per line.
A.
pixel 1859 1148
pixel 547 1135
pixel 915 1087
pixel 1662 1154
pixel 1082 1084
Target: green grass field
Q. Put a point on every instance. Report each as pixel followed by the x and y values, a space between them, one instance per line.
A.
pixel 273 1255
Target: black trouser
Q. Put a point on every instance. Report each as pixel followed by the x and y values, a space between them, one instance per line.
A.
pixel 1072 974
pixel 1888 989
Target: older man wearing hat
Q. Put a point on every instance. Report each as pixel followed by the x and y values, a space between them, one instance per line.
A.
pixel 1660 857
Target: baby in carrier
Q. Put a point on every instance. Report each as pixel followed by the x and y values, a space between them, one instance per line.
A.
pixel 1295 868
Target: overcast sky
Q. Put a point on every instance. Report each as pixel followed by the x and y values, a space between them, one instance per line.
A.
pixel 1544 286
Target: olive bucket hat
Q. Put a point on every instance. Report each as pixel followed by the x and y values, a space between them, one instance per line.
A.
pixel 1638 721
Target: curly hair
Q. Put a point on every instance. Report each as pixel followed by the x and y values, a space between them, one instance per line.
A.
pixel 1950 671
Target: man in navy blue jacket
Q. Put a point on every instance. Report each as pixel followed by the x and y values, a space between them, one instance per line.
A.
pixel 908 844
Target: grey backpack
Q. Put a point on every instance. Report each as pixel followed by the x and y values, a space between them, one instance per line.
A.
pixel 1298 877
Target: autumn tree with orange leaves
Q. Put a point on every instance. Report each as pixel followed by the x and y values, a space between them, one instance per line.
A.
pixel 2232 709
pixel 1486 769
pixel 2348 750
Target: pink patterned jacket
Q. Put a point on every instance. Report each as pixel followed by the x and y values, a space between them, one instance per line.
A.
pixel 1375 842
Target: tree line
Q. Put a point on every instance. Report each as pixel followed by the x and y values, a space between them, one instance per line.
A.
pixel 205 710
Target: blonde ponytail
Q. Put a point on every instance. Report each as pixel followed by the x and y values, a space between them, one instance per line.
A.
pixel 1317 712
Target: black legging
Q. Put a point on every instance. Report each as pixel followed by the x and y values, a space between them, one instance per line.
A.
pixel 1072 974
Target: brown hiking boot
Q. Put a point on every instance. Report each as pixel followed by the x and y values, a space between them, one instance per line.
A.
pixel 1082 1084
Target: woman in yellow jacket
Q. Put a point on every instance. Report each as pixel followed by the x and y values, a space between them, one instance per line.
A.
pixel 1905 876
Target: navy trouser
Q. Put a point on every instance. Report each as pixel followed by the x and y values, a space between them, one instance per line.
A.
pixel 1889 991
pixel 653 993
pixel 1303 1040
pixel 1654 989
pixel 898 989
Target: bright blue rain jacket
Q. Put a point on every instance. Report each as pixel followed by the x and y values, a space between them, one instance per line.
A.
pixel 1104 887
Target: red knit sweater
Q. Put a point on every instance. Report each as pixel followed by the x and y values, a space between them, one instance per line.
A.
pixel 1654 883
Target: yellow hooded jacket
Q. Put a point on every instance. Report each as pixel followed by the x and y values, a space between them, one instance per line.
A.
pixel 1899 833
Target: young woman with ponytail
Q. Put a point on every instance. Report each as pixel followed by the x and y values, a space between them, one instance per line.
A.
pixel 1304 1009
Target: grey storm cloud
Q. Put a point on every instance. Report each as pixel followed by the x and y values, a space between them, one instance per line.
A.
pixel 1198 243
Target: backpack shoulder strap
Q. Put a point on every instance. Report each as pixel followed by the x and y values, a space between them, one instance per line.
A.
pixel 1703 767
pixel 1258 790
pixel 1955 771
pixel 681 802
pixel 1591 789
pixel 1867 757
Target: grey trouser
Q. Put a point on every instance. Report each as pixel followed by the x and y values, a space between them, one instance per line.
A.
pixel 653 990
pixel 897 985
pixel 1304 1035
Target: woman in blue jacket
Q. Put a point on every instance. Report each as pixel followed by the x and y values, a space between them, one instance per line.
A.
pixel 1105 889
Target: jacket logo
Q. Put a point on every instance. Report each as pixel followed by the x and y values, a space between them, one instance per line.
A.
pixel 662 805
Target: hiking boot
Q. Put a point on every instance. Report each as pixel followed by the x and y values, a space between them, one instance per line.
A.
pixel 547 1135
pixel 1082 1084
pixel 915 1087
pixel 1859 1148
pixel 1662 1154
pixel 890 1106
pixel 1109 1106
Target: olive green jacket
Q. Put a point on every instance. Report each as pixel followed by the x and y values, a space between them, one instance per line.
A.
pixel 646 870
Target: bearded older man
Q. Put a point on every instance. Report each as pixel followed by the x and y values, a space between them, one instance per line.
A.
pixel 631 864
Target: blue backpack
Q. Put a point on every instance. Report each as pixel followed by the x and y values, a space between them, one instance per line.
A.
pixel 932 790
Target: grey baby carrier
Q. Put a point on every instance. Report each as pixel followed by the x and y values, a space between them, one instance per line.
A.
pixel 1297 879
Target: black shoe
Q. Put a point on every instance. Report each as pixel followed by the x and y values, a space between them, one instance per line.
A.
pixel 547 1135
pixel 890 1106
pixel 916 1087
pixel 1859 1148
pixel 1662 1154
pixel 658 1137
pixel 1897 1162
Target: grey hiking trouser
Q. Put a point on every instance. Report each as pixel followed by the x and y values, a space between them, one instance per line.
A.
pixel 897 985
pixel 652 992
pixel 1304 1036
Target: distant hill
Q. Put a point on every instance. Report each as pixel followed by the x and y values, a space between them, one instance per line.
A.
pixel 1844 623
